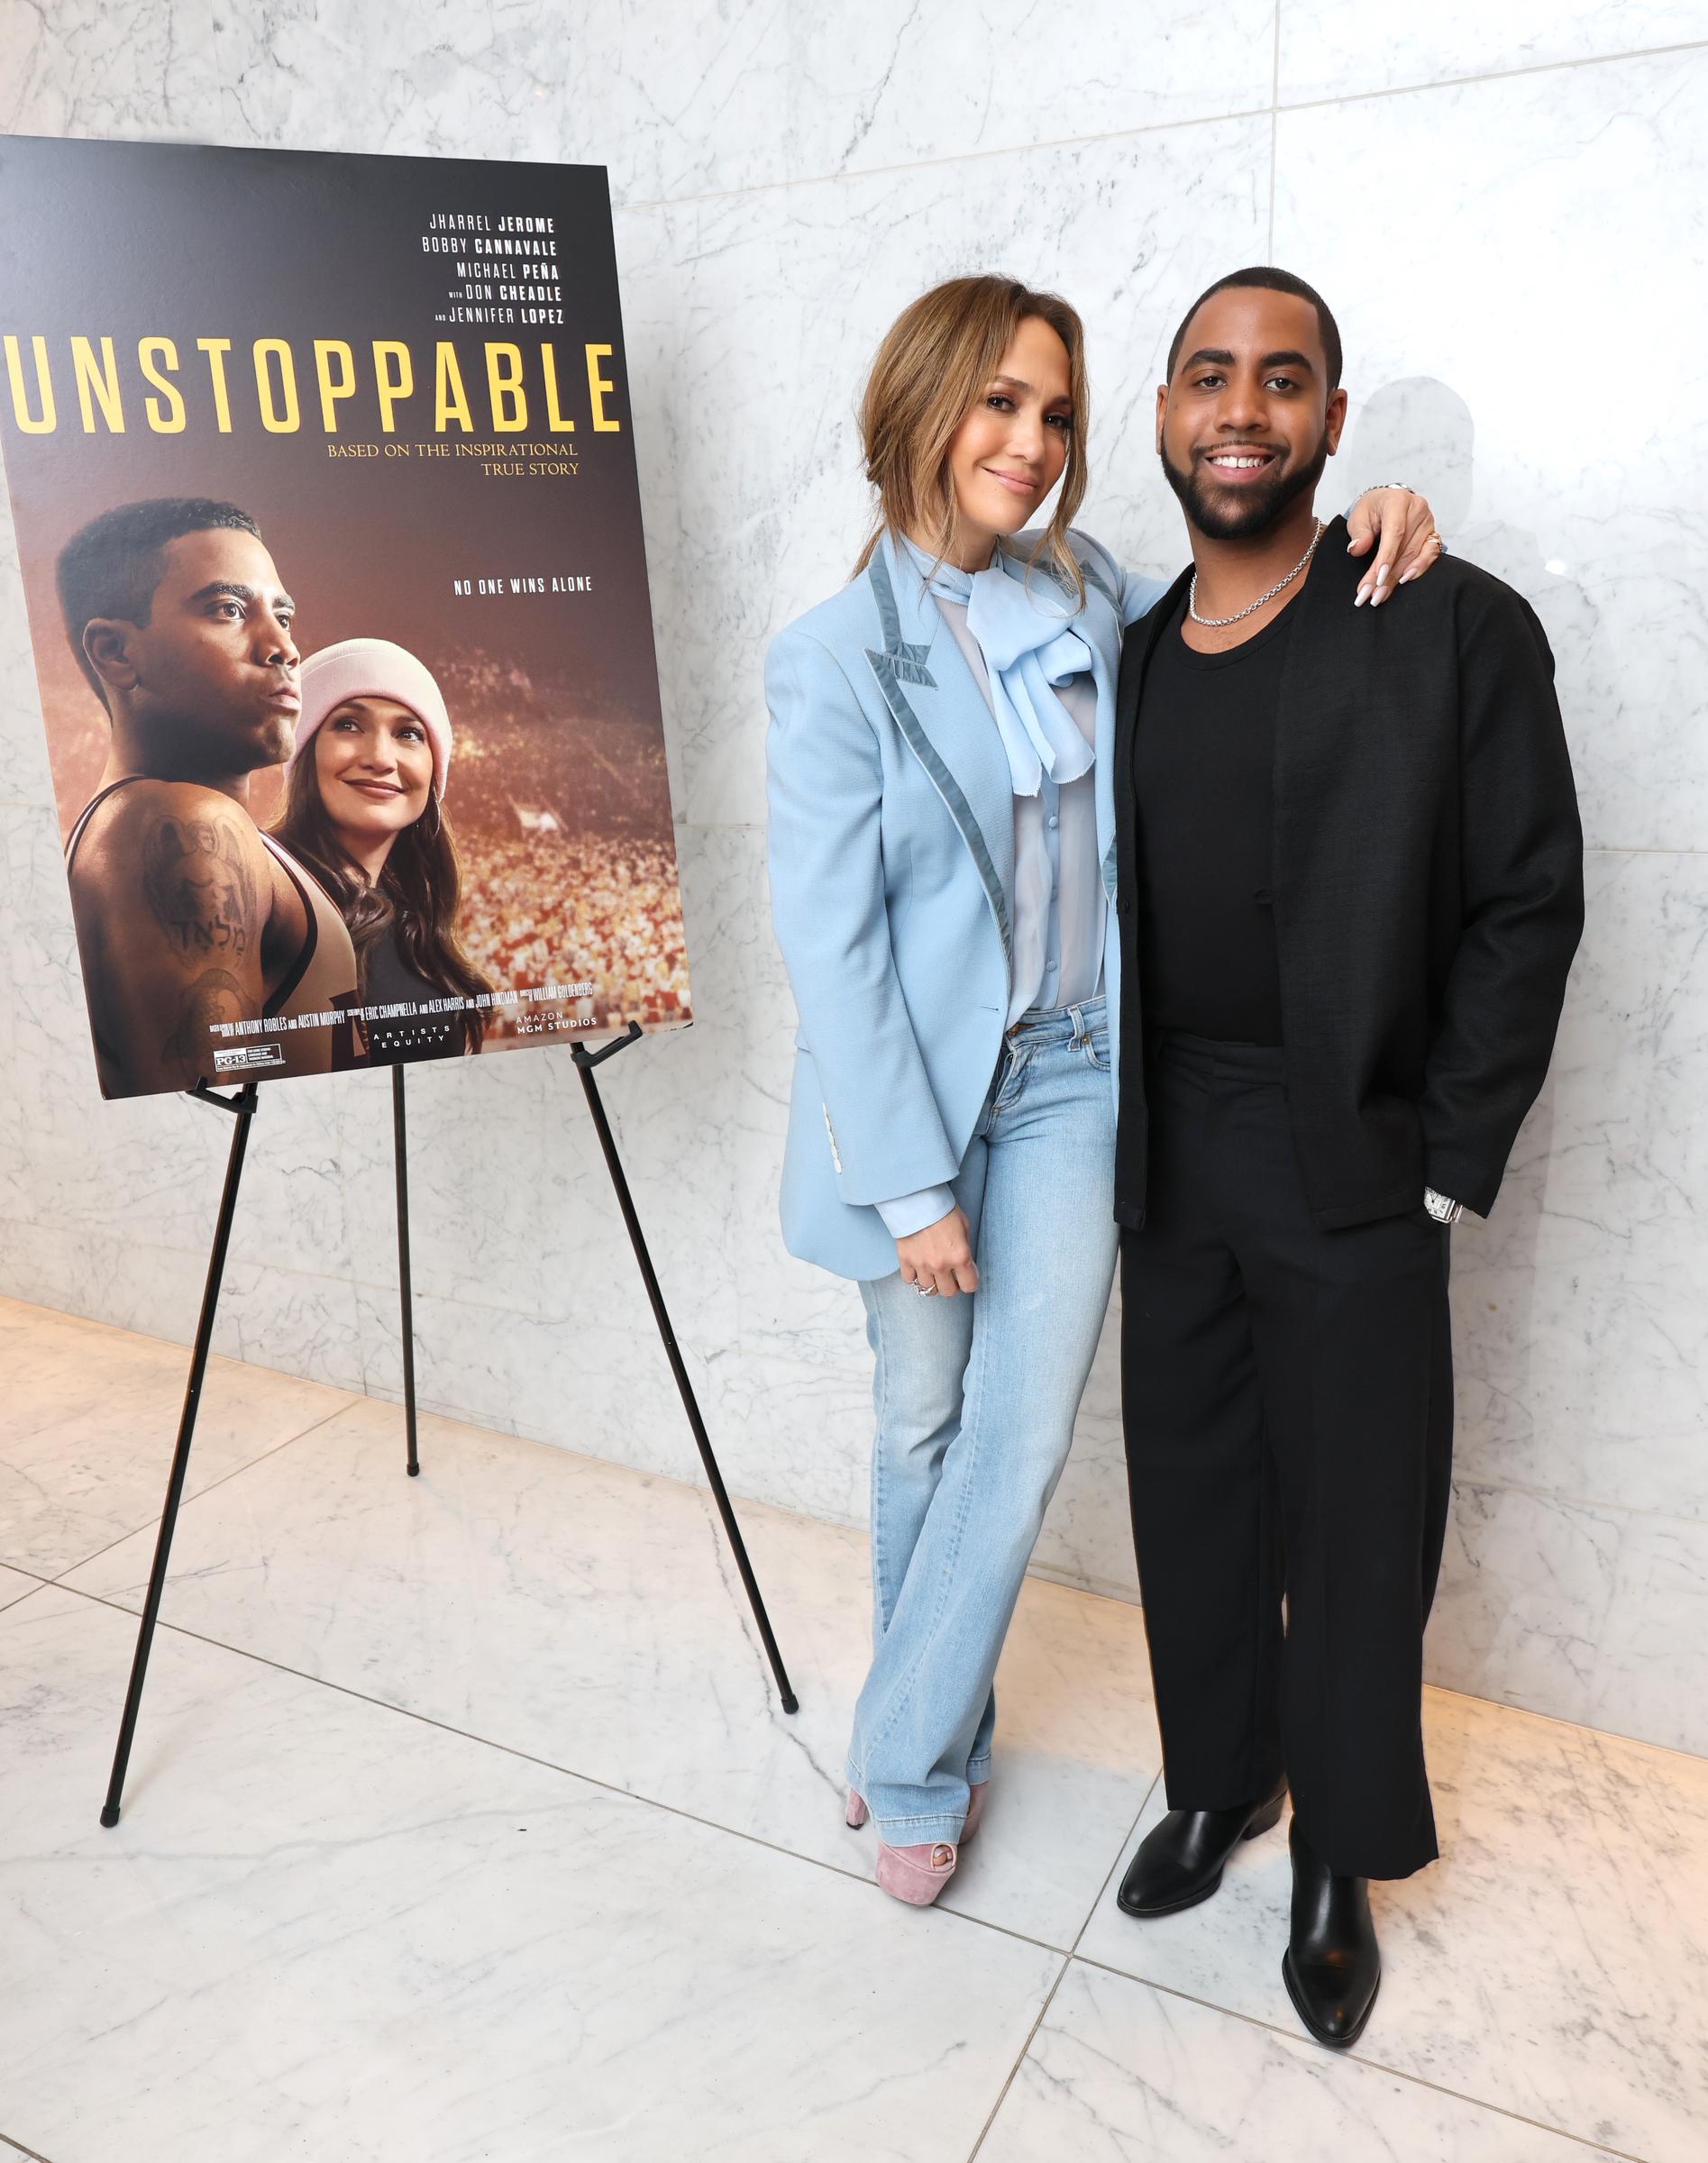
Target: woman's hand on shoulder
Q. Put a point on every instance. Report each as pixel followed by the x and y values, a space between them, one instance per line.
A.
pixel 1401 526
pixel 939 1258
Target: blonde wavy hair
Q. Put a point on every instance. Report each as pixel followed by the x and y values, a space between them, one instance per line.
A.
pixel 935 361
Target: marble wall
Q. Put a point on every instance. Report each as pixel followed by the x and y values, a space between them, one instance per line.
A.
pixel 1505 206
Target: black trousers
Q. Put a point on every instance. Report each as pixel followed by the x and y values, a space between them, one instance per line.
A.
pixel 1288 1395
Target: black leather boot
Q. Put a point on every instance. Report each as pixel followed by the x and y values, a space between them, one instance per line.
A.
pixel 1333 1965
pixel 1180 1860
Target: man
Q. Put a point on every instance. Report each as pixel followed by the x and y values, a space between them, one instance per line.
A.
pixel 186 915
pixel 1350 889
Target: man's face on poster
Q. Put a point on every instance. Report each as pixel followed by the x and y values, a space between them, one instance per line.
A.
pixel 211 678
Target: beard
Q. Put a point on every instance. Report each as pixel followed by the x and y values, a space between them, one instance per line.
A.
pixel 1238 513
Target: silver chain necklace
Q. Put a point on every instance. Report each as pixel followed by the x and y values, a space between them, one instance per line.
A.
pixel 1218 623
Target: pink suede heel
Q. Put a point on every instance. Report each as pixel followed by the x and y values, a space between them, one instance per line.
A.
pixel 916 1874
pixel 857 1814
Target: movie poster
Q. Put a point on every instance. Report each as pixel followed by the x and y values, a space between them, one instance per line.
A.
pixel 326 494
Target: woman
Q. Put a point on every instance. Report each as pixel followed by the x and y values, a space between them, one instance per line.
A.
pixel 364 809
pixel 940 847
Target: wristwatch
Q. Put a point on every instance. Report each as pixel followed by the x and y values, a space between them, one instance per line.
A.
pixel 1442 1206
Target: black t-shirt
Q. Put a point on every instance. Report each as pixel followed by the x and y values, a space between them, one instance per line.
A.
pixel 397 1037
pixel 1203 774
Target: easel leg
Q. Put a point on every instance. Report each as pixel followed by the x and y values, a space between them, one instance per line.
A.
pixel 243 1105
pixel 585 1062
pixel 400 1145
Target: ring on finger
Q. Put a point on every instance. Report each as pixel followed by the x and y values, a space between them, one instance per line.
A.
pixel 925 1291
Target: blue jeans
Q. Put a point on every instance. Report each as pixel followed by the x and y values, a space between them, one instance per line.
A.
pixel 976 1398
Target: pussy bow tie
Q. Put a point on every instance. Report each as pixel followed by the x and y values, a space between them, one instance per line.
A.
pixel 1028 650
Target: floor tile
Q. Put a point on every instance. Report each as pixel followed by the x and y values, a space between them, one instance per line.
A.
pixel 591 1615
pixel 1120 2072
pixel 89 1419
pixel 1555 1963
pixel 322 1928
pixel 15 1584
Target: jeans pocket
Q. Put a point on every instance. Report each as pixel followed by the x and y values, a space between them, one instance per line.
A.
pixel 1096 1049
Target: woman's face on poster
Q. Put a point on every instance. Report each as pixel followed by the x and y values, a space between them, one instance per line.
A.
pixel 374 765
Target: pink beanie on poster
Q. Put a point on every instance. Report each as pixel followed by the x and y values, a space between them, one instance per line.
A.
pixel 373 668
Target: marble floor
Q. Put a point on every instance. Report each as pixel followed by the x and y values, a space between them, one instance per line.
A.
pixel 464 1826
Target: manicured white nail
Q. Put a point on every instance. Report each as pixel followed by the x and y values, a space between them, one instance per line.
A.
pixel 1382 575
pixel 1363 597
pixel 1406 577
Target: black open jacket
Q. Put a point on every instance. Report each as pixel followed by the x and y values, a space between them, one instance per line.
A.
pixel 1428 886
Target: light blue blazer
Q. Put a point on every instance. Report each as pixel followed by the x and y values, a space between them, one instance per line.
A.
pixel 891 871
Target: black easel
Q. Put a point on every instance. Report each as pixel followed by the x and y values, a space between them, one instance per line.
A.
pixel 406 1293
pixel 585 1061
pixel 243 1107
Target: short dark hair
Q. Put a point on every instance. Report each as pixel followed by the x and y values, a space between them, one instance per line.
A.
pixel 112 566
pixel 1271 280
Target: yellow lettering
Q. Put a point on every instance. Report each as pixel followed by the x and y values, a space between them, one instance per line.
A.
pixel 395 379
pixel 503 385
pixel 152 354
pixel 274 422
pixel 216 350
pixel 98 387
pixel 327 349
pixel 557 422
pixel 44 384
pixel 450 400
pixel 597 386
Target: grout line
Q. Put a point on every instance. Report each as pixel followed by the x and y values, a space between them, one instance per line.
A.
pixel 83 1561
pixel 1465 1478
pixel 1274 128
pixel 1026 2051
pixel 882 172
pixel 568 1772
pixel 1497 75
pixel 1097 1901
pixel 1356 2057
pixel 1573 1727
pixel 154 1246
pixel 22 2151
pixel 1143 1805
pixel 1047 1574
pixel 471 1417
pixel 1155 127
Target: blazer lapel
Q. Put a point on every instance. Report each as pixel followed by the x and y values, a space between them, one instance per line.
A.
pixel 1308 749
pixel 1104 640
pixel 1136 648
pixel 942 714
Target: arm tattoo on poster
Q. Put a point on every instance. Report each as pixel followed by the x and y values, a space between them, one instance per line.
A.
pixel 199 886
pixel 215 996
